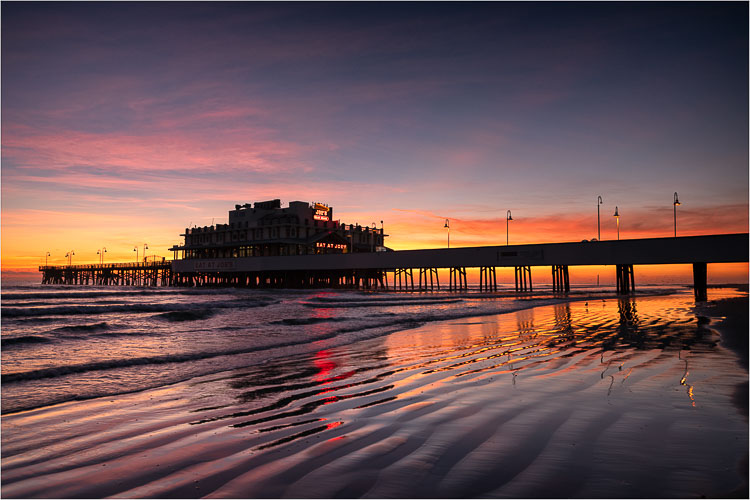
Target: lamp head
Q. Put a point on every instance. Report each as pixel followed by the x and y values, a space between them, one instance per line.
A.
pixel 617 214
pixel 599 200
pixel 447 224
pixel 676 199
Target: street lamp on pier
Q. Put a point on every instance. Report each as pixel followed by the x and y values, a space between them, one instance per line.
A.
pixel 448 227
pixel 101 253
pixel 675 202
pixel 135 249
pixel 145 247
pixel 508 217
pixel 598 222
pixel 617 216
pixel 45 258
pixel 70 255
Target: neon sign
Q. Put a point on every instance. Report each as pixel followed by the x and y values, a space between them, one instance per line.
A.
pixel 337 246
pixel 320 212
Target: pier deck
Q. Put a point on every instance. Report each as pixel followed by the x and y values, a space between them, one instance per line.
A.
pixel 369 269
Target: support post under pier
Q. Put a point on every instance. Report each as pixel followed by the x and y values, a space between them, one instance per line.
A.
pixel 523 279
pixel 560 279
pixel 625 279
pixel 488 279
pixel 457 279
pixel 700 281
pixel 433 274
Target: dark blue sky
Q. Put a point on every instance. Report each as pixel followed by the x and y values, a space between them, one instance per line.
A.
pixel 407 111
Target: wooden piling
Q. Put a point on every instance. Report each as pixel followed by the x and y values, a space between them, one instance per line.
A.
pixel 625 279
pixel 523 279
pixel 700 281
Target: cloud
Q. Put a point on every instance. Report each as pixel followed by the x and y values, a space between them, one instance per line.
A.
pixel 418 229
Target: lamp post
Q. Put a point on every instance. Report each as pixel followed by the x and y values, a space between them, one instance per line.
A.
pixel 101 253
pixel 145 247
pixel 508 217
pixel 598 221
pixel 617 216
pixel 448 227
pixel 45 258
pixel 70 255
pixel 374 228
pixel 675 202
pixel 135 249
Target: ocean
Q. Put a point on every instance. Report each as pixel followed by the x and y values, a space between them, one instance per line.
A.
pixel 62 343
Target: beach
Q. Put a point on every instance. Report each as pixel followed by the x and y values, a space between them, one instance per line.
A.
pixel 596 397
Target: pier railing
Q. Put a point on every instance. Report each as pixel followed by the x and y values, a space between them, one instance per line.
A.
pixel 112 265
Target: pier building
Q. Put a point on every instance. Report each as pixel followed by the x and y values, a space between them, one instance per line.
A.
pixel 265 229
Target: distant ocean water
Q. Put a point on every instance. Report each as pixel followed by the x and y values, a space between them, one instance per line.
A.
pixel 61 343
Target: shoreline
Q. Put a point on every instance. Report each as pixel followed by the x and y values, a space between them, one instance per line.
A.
pixel 530 403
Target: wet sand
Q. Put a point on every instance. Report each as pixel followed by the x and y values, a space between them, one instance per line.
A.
pixel 599 398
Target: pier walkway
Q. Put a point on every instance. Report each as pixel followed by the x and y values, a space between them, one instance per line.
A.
pixel 158 273
pixel 370 270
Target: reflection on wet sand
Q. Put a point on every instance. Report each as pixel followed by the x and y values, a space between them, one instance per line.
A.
pixel 575 399
pixel 532 348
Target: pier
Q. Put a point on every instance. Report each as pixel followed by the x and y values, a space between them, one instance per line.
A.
pixel 370 270
pixel 157 273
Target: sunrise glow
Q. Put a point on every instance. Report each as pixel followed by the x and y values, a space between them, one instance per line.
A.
pixel 121 147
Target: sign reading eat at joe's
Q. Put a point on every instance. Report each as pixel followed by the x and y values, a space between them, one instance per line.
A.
pixel 321 212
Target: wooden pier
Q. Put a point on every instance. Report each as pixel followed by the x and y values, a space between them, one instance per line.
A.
pixel 370 270
pixel 157 273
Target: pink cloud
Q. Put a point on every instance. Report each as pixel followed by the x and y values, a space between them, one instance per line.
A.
pixel 233 149
pixel 414 228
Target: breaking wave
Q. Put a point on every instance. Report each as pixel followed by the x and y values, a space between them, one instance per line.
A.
pixel 188 315
pixel 26 339
pixel 83 328
pixel 71 310
pixel 380 303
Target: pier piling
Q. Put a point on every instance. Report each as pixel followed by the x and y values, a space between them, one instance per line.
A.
pixel 523 279
pixel 700 281
pixel 560 279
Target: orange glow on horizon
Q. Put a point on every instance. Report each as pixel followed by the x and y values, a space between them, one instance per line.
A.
pixel 28 234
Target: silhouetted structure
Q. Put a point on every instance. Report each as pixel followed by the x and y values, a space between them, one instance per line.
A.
pixel 336 267
pixel 265 229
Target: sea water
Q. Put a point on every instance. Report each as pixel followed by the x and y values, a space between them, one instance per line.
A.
pixel 62 343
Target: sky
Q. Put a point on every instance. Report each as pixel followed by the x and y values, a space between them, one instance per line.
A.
pixel 125 123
